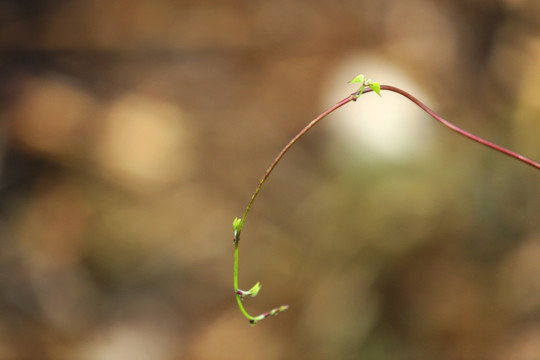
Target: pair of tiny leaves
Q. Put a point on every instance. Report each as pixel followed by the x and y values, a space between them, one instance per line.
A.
pixel 361 79
pixel 251 292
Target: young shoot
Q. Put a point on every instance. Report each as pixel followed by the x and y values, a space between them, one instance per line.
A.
pixel 366 85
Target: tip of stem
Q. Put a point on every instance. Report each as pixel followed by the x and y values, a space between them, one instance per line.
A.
pixel 268 314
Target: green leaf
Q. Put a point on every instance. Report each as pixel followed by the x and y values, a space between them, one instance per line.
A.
pixel 251 292
pixel 254 290
pixel 358 79
pixel 376 87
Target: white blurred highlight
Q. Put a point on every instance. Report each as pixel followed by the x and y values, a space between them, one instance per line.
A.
pixel 391 127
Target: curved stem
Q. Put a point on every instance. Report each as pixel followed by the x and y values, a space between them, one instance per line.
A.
pixel 238 298
pixel 457 129
pixel 238 223
pixel 288 146
pixel 238 226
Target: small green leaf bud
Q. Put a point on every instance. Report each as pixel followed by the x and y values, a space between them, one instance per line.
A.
pixel 237 226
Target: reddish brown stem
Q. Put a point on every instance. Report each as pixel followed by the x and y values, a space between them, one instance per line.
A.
pixel 457 129
pixel 286 148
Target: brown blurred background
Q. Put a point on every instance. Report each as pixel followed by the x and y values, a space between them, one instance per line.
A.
pixel 134 131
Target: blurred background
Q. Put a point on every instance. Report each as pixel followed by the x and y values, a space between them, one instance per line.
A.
pixel 134 131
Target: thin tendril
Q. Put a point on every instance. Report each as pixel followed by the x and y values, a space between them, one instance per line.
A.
pixel 239 223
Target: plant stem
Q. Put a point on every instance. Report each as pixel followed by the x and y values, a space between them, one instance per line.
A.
pixel 288 146
pixel 353 97
pixel 238 298
pixel 254 319
pixel 457 129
